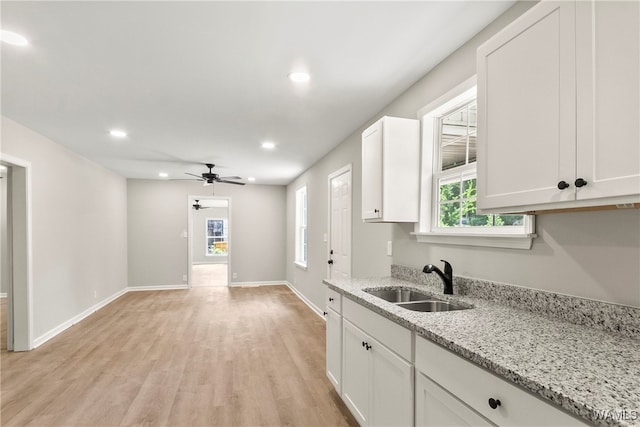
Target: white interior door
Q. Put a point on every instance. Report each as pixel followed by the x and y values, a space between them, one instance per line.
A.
pixel 340 224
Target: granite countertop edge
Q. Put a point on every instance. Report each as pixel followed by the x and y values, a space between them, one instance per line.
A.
pixel 575 397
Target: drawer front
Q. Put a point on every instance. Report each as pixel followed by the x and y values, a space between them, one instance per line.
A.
pixel 475 386
pixel 334 300
pixel 384 330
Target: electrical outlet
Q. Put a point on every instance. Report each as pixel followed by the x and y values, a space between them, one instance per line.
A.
pixel 184 278
pixel 234 276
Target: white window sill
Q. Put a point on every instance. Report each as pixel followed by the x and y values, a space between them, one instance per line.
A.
pixel 509 241
pixel 300 265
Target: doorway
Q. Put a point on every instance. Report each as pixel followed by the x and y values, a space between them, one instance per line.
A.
pixel 209 241
pixel 340 224
pixel 15 265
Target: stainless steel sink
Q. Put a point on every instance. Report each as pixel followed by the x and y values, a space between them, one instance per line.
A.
pixel 396 295
pixel 431 306
pixel 415 300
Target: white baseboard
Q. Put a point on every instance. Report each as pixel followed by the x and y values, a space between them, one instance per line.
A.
pixel 305 300
pixel 75 319
pixel 256 284
pixel 156 288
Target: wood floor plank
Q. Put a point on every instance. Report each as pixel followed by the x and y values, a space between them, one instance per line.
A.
pixel 202 357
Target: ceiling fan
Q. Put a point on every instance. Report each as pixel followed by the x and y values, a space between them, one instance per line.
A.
pixel 211 177
pixel 197 206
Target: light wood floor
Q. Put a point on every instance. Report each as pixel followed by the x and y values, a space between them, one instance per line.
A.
pixel 209 275
pixel 203 357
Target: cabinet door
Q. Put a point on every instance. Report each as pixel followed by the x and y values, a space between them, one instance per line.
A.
pixel 526 109
pixel 391 388
pixel 437 407
pixel 334 349
pixel 608 81
pixel 372 172
pixel 355 372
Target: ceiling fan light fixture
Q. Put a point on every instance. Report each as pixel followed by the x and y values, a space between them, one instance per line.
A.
pixel 251 179
pixel 118 133
pixel 163 175
pixel 13 38
pixel 299 77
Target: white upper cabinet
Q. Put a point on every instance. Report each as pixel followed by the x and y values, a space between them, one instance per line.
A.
pixel 558 108
pixel 390 170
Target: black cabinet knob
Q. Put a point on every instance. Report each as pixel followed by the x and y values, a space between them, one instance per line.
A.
pixel 367 346
pixel 330 262
pixel 580 182
pixel 494 403
pixel 330 299
pixel 376 211
pixel 562 185
pixel 325 313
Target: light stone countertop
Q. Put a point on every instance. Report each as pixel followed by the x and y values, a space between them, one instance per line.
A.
pixel 583 370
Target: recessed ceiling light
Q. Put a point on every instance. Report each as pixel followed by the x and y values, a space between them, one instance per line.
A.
pixel 118 133
pixel 299 77
pixel 163 174
pixel 13 38
pixel 251 179
pixel 268 145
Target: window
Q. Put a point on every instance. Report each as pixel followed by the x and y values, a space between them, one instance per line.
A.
pixel 301 227
pixel 217 237
pixel 448 205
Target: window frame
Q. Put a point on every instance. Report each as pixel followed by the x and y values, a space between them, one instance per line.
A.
pixel 301 228
pixel 427 230
pixel 225 235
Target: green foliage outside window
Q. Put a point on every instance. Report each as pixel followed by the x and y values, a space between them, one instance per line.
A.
pixel 458 208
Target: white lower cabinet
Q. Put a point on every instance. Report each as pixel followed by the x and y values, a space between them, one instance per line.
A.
pixel 334 349
pixel 377 383
pixel 482 392
pixel 437 407
pixel 334 338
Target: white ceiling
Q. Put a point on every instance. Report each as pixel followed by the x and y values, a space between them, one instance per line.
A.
pixel 195 82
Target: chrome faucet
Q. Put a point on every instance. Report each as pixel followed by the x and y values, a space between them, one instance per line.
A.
pixel 447 276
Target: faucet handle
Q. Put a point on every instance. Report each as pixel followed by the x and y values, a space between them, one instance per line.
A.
pixel 448 269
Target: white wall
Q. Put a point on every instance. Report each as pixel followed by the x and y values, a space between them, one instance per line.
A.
pixel 158 217
pixel 199 239
pixel 79 228
pixel 4 240
pixel 593 255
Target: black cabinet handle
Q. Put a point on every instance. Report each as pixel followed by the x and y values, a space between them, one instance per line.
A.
pixel 325 313
pixel 562 185
pixel 494 403
pixel 330 262
pixel 580 182
pixel 367 346
pixel 364 343
pixel 376 211
pixel 330 299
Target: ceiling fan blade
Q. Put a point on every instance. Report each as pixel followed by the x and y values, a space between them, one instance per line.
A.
pixel 229 177
pixel 231 182
pixel 192 174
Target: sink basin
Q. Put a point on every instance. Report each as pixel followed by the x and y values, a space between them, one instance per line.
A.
pixel 397 295
pixel 414 300
pixel 431 306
